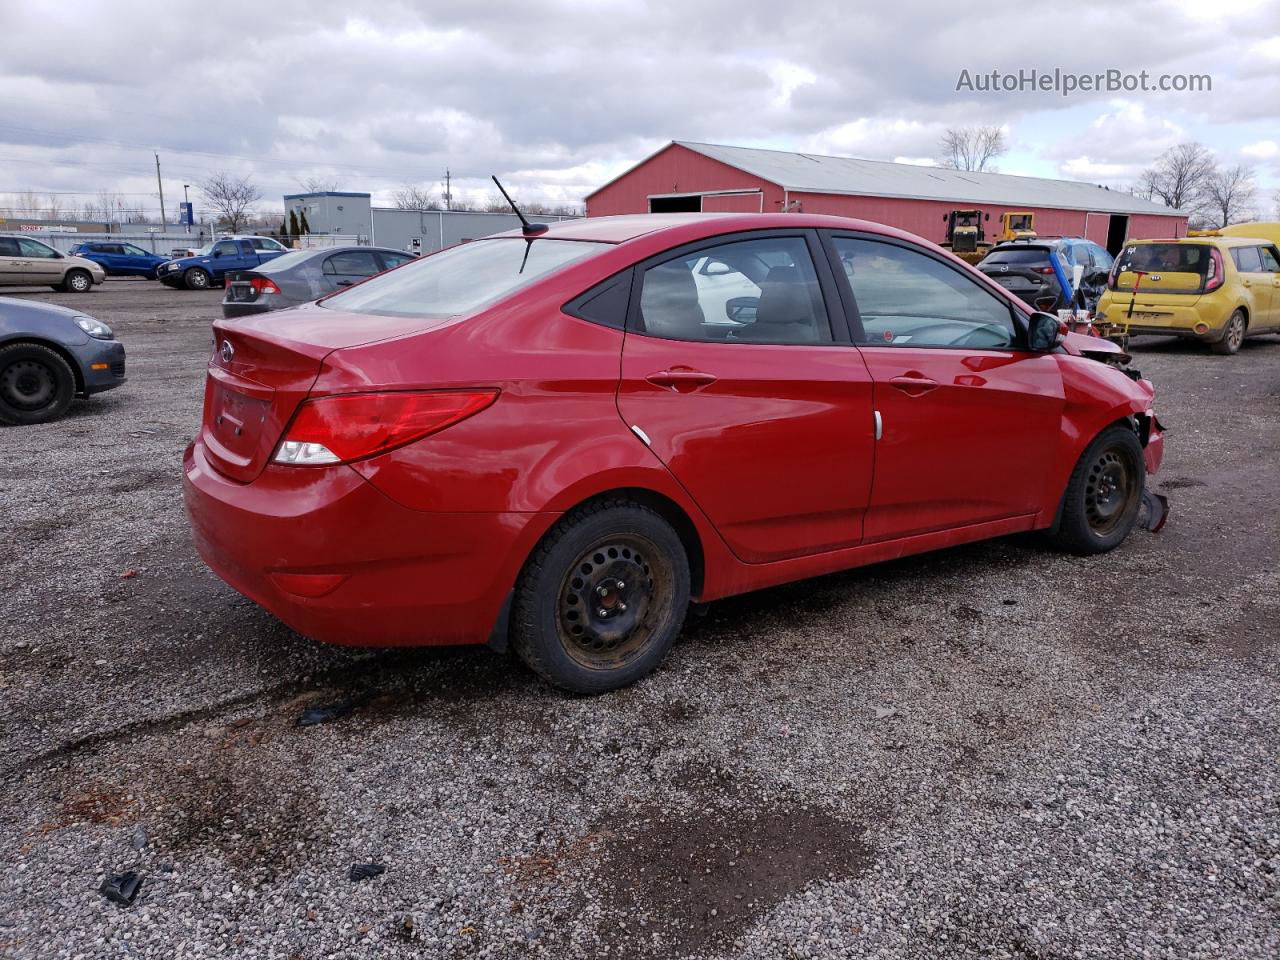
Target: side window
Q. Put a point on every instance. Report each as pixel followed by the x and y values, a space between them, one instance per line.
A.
pixel 1247 259
pixel 764 291
pixel 353 263
pixel 1101 259
pixel 8 247
pixel 908 299
pixel 30 248
pixel 133 251
pixel 1270 259
pixel 226 248
pixel 390 260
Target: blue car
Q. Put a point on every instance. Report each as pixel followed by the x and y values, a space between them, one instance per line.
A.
pixel 217 259
pixel 50 355
pixel 120 259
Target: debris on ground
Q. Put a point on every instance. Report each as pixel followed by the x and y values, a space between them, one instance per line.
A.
pixel 1154 511
pixel 138 840
pixel 883 713
pixel 121 888
pixel 329 712
pixel 365 871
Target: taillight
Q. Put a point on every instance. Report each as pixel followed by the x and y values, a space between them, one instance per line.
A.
pixel 1043 269
pixel 349 427
pixel 263 285
pixel 1214 278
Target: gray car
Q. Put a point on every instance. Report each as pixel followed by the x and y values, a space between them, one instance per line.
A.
pixel 50 355
pixel 304 275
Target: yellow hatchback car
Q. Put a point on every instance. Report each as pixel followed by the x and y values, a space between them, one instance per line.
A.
pixel 1216 289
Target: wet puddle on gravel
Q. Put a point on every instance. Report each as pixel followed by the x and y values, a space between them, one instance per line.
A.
pixel 700 878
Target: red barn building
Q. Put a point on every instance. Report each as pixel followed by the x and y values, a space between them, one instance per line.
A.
pixel 687 176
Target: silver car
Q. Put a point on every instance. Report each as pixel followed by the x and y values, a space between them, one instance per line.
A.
pixel 26 262
pixel 304 275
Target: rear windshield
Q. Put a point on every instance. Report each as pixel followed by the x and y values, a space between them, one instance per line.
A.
pixel 1032 255
pixel 1164 258
pixel 462 278
pixel 284 261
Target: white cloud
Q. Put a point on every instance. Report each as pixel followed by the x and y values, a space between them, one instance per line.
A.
pixel 1261 150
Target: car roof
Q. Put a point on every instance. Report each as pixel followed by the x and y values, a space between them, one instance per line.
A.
pixel 1222 242
pixel 694 226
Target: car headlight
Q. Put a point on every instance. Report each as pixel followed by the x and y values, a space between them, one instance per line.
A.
pixel 94 328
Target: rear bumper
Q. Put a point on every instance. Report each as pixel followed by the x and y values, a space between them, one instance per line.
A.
pixel 232 309
pixel 1167 321
pixel 337 560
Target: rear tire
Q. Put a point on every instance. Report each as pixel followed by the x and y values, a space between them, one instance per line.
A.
pixel 602 598
pixel 1232 337
pixel 1104 494
pixel 77 281
pixel 196 279
pixel 36 384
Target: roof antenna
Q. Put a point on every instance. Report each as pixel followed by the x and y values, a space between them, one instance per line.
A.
pixel 527 228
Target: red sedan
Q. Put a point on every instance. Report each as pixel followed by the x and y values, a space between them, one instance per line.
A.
pixel 560 440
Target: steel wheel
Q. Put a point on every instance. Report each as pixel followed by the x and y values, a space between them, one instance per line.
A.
pixel 28 385
pixel 1109 489
pixel 610 600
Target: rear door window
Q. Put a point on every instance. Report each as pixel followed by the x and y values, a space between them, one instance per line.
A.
pixel 1247 259
pixel 353 263
pixel 8 247
pixel 764 291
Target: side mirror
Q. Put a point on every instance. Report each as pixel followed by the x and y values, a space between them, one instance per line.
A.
pixel 217 253
pixel 1044 332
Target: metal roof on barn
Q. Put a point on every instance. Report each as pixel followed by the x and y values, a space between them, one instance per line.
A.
pixel 814 173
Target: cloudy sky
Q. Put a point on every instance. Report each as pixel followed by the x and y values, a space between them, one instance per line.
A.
pixel 557 97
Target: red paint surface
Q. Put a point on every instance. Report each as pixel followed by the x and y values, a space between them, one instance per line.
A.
pixel 772 463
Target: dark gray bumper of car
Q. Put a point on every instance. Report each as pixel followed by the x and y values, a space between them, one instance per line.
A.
pixel 245 309
pixel 97 353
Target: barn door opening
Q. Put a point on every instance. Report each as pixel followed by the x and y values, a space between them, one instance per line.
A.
pixel 1116 232
pixel 688 203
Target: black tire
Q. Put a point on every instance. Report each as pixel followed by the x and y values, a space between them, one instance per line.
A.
pixel 1232 336
pixel 36 384
pixel 196 278
pixel 630 565
pixel 1104 494
pixel 77 281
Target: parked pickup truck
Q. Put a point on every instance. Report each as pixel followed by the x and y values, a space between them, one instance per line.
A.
pixel 214 261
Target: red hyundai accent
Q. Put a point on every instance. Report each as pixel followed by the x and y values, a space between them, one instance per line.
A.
pixel 560 440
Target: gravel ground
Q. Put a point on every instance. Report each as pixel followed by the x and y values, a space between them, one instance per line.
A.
pixel 996 751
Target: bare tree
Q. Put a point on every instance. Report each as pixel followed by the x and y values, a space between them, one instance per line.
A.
pixel 317 184
pixel 1275 198
pixel 972 148
pixel 413 197
pixel 26 204
pixel 57 208
pixel 1179 178
pixel 232 198
pixel 1230 195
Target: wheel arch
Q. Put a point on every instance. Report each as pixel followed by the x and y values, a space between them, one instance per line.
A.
pixel 670 511
pixel 57 348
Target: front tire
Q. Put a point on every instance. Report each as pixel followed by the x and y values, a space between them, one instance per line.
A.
pixel 77 281
pixel 602 598
pixel 196 279
pixel 36 384
pixel 1232 337
pixel 1104 494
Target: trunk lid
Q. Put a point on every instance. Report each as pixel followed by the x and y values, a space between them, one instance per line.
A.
pixel 263 367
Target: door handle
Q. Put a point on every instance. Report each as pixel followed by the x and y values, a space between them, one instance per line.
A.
pixel 681 377
pixel 343 283
pixel 914 384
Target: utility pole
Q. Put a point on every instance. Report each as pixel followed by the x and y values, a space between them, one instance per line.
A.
pixel 448 193
pixel 164 227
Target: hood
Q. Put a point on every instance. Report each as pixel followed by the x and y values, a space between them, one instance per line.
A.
pixel 89 265
pixel 1095 348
